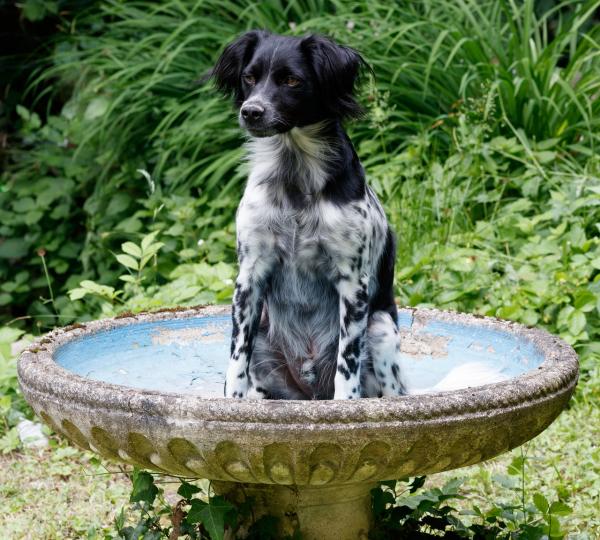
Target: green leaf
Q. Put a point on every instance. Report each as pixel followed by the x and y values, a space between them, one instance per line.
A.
pixel 380 499
pixel 153 248
pixel 187 490
pixel 128 261
pixel 564 315
pixel 554 530
pixel 96 108
pixel 22 112
pixel 78 293
pixel 36 10
pixel 10 441
pixel 144 489
pixel 132 249
pixel 96 288
pixel 417 483
pixel 559 508
pixel 13 248
pixel 541 503
pixel 585 300
pixel 545 156
pixel 213 516
pixel 449 296
pixel 26 204
pixel 148 239
pixel 5 402
pixel 506 481
pixel 120 520
pixel 193 515
pixel 145 260
pixel 8 334
pixel 577 322
pixel 516 466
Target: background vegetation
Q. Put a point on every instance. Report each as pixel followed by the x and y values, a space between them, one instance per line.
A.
pixel 122 172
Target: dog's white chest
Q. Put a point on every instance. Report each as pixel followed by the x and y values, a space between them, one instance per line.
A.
pixel 300 237
pixel 302 242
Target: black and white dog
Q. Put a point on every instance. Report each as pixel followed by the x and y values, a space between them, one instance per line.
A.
pixel 314 315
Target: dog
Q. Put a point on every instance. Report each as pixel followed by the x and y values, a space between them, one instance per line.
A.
pixel 313 312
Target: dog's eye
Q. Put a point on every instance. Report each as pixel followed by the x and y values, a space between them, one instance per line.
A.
pixel 291 81
pixel 249 79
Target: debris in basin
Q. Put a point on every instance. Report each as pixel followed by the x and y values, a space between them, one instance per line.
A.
pixel 423 344
pixel 205 334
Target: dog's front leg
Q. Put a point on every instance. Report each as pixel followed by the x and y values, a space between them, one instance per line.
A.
pixel 354 314
pixel 246 312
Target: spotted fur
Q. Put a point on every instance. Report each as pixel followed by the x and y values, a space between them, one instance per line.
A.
pixel 313 309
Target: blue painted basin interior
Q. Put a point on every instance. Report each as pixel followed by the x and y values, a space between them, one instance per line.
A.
pixel 190 355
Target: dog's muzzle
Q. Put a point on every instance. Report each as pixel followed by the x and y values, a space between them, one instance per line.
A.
pixel 257 118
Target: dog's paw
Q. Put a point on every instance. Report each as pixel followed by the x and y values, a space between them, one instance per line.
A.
pixel 255 393
pixel 235 387
pixel 346 392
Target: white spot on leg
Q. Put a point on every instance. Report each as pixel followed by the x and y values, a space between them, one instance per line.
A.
pixel 383 340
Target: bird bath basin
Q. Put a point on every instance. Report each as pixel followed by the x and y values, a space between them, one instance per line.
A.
pixel 146 390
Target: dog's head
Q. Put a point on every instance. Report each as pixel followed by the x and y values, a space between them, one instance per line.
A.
pixel 282 82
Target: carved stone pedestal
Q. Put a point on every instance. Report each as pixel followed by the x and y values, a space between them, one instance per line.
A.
pixel 320 513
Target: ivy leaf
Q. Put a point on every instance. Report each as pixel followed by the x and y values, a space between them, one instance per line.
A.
pixel 144 489
pixel 194 513
pixel 187 490
pixel 380 499
pixel 213 516
pixel 417 483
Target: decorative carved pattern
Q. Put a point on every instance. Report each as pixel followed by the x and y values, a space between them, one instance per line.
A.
pixel 315 464
pixel 324 463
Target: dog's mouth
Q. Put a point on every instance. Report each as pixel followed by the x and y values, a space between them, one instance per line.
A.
pixel 261 132
pixel 264 129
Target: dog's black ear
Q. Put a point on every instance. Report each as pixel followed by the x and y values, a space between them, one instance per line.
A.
pixel 228 69
pixel 337 69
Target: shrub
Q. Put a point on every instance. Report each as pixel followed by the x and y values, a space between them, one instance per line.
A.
pixel 138 145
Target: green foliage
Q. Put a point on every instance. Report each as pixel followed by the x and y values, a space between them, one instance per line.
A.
pixel 132 143
pixel 401 509
pixel 188 285
pixel 196 515
pixel 503 227
pixel 13 407
pixel 408 512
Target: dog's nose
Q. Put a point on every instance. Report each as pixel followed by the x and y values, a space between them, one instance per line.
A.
pixel 252 112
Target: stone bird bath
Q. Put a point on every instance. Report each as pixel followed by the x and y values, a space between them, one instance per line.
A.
pixel 146 390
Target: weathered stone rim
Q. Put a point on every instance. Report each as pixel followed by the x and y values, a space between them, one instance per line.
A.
pixel 38 372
